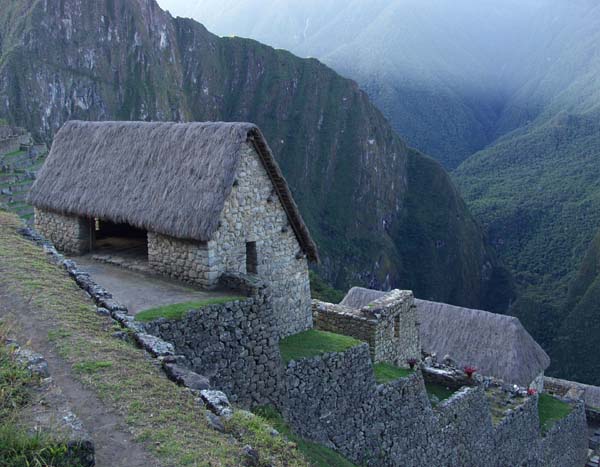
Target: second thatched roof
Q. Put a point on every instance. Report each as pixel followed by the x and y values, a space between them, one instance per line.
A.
pixel 498 345
pixel 169 178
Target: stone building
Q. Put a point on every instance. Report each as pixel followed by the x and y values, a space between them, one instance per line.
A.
pixel 194 200
pixel 387 321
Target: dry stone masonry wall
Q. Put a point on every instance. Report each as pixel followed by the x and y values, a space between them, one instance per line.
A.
pixel 70 234
pixel 334 400
pixel 234 345
pixel 185 260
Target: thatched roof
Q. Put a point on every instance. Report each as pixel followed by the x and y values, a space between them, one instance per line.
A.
pixel 169 178
pixel 358 297
pixel 498 345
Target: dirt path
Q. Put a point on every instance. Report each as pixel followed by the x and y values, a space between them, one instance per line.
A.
pixel 113 443
pixel 139 291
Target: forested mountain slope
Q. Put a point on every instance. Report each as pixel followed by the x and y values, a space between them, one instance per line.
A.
pixel 576 346
pixel 383 215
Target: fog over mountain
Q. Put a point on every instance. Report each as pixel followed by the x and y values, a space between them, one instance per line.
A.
pixel 503 93
pixel 450 75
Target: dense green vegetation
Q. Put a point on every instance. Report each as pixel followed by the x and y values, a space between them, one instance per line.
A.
pixel 317 454
pixel 313 342
pixel 550 410
pixel 321 290
pixel 575 344
pixel 178 310
pixel 386 372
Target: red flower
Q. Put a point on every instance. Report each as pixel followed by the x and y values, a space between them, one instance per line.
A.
pixel 469 370
pixel 531 392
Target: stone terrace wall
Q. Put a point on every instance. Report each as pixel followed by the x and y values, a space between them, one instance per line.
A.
pixel 333 399
pixel 185 260
pixel 253 213
pixel 235 345
pixel 69 234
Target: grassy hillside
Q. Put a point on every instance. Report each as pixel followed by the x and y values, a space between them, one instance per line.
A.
pixel 354 179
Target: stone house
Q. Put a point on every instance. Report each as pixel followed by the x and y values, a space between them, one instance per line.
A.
pixel 387 321
pixel 195 200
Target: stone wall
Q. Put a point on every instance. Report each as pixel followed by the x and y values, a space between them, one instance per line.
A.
pixel 388 325
pixel 334 400
pixel 70 234
pixel 253 213
pixel 185 260
pixel 234 345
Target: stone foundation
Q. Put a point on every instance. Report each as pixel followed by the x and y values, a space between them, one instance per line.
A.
pixel 234 345
pixel 69 234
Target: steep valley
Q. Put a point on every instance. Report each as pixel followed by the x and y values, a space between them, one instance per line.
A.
pixel 504 94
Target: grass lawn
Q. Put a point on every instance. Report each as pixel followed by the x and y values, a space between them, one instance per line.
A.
pixel 313 342
pixel 316 454
pixel 551 409
pixel 157 412
pixel 438 392
pixel 178 310
pixel 385 372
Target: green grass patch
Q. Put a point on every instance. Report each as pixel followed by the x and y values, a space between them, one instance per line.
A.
pixel 14 154
pixel 313 342
pixel 438 393
pixel 386 372
pixel 91 366
pixel 317 454
pixel 178 310
pixel 551 410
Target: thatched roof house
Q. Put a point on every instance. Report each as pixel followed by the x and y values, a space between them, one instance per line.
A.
pixel 208 197
pixel 169 178
pixel 498 345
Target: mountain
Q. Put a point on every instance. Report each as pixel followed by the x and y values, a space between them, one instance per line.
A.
pixel 575 348
pixel 441 71
pixel 382 214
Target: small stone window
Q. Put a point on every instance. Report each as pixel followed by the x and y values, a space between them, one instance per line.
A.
pixel 251 258
pixel 397 326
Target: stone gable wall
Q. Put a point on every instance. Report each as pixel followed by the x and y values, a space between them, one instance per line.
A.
pixel 234 345
pixel 70 234
pixel 254 213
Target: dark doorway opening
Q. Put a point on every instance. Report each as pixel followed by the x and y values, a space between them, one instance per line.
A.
pixel 119 239
pixel 251 258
